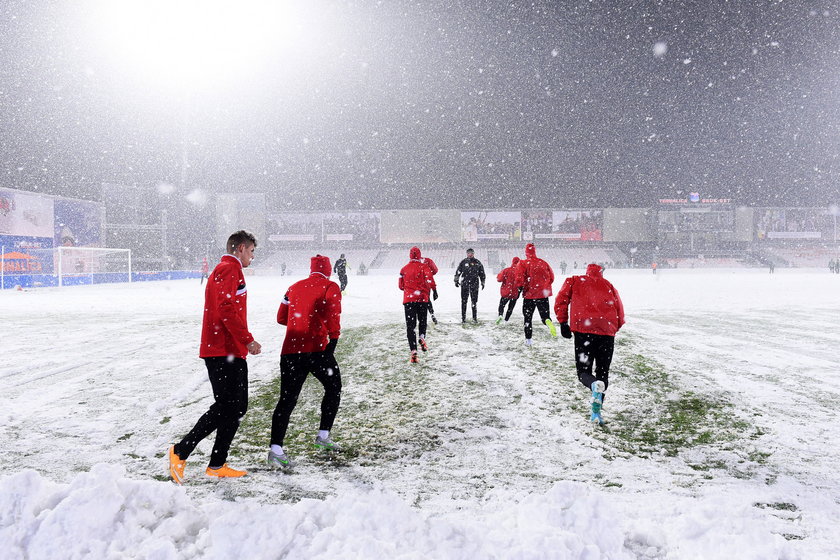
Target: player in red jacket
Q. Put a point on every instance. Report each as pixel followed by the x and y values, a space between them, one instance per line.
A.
pixel 596 316
pixel 434 270
pixel 311 311
pixel 416 282
pixel 509 290
pixel 225 342
pixel 535 277
pixel 205 269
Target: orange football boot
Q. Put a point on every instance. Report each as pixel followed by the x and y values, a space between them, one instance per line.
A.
pixel 176 466
pixel 225 472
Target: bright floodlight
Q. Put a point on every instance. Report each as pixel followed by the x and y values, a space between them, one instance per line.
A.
pixel 192 42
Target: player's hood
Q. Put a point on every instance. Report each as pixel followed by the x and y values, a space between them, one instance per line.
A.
pixel 594 270
pixel 414 253
pixel 530 251
pixel 321 265
pixel 515 261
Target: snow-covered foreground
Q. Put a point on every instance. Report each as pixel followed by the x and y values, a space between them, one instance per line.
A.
pixel 720 442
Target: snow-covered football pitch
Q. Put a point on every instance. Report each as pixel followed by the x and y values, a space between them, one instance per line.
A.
pixel 721 439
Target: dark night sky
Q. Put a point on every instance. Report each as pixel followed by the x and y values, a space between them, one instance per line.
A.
pixel 463 103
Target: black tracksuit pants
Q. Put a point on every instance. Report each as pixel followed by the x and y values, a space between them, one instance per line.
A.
pixel 229 380
pixel 469 290
pixel 342 278
pixel 528 306
pixel 415 316
pixel 597 350
pixel 510 302
pixel 293 371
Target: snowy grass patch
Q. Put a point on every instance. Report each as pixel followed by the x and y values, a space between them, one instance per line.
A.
pixel 483 450
pixel 444 417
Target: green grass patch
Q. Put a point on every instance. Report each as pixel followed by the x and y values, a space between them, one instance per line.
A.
pixel 779 506
pixel 656 415
pixel 663 418
pixel 381 414
pixel 395 414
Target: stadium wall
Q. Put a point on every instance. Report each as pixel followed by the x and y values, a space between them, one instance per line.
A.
pixel 628 225
pixel 420 226
pixel 13 281
pixel 744 224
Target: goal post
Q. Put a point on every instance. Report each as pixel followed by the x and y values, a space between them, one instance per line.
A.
pixel 64 266
pixel 94 265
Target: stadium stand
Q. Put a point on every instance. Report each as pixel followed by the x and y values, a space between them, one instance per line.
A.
pixel 717 262
pixel 803 257
pixel 297 260
pixel 446 257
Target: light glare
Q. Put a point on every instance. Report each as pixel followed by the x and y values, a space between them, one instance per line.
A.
pixel 192 43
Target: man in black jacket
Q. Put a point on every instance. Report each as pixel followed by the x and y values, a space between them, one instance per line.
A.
pixel 340 268
pixel 470 272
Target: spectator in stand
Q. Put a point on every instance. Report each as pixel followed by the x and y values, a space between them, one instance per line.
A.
pixel 469 274
pixel 509 290
pixel 225 343
pixel 416 282
pixel 535 277
pixel 596 316
pixel 311 311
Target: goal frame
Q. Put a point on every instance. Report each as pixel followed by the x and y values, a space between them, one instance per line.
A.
pixel 62 254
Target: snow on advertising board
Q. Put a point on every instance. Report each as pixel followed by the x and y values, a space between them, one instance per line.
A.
pixel 794 223
pixel 78 223
pixel 26 219
pixel 479 225
pixel 31 225
pixel 531 224
pixel 576 225
pixel 535 223
pixel 361 227
pixel 420 226
pixel 294 227
pixel 26 226
pixel 568 225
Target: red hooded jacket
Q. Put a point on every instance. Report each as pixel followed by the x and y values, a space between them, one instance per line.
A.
pixel 416 279
pixel 509 289
pixel 534 275
pixel 430 263
pixel 596 307
pixel 311 310
pixel 224 330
